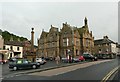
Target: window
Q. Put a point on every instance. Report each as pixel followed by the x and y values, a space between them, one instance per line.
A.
pixel 100 50
pixel 19 62
pixel 25 62
pixel 4 47
pixel 64 42
pixel 11 47
pixel 10 55
pixel 7 48
pixel 87 42
pixel 65 34
pixel 18 48
pixel 53 44
pixel 77 41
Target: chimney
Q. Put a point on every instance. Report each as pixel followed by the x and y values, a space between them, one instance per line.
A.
pixel 105 37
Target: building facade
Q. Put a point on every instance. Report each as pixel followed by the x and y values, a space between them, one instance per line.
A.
pixel 105 45
pixel 69 40
pixel 86 38
pixel 15 49
pixel 48 44
pixel 26 48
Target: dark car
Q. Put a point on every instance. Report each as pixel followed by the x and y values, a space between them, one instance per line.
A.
pixel 22 64
pixel 89 57
pixel 12 59
pixel 49 58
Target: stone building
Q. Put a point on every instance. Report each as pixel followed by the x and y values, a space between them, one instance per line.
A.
pixel 26 47
pixel 105 45
pixel 69 40
pixel 86 38
pixel 48 44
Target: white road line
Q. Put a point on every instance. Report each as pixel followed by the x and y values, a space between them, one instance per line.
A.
pixel 110 74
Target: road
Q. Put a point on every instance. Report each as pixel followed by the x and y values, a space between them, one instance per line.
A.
pixel 6 72
pixel 87 71
pixel 116 76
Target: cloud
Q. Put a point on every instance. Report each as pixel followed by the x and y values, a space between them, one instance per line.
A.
pixel 20 17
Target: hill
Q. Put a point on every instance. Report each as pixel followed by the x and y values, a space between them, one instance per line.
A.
pixel 9 36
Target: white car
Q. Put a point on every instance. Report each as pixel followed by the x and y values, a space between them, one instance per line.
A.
pixel 40 61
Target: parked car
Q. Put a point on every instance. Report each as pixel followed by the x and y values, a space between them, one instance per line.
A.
pixel 22 64
pixel 88 56
pixel 41 61
pixel 64 60
pixel 68 59
pixel 12 59
pixel 76 60
pixel 49 58
pixel 81 58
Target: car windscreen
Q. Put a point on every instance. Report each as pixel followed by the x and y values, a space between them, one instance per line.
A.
pixel 86 55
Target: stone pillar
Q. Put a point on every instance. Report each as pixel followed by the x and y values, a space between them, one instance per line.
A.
pixel 33 55
pixel 32 40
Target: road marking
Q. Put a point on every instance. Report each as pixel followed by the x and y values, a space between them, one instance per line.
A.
pixel 110 74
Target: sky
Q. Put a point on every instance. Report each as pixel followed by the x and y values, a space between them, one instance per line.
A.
pixel 20 17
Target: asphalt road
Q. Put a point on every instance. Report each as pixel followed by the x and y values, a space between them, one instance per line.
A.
pixel 116 76
pixel 92 72
pixel 6 72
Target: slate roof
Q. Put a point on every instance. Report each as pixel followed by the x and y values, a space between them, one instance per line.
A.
pixel 103 41
pixel 14 43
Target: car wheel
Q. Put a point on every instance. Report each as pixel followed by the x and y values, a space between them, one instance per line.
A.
pixel 38 63
pixel 34 66
pixel 14 68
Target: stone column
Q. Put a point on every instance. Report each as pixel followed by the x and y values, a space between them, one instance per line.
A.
pixel 32 40
pixel 32 46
